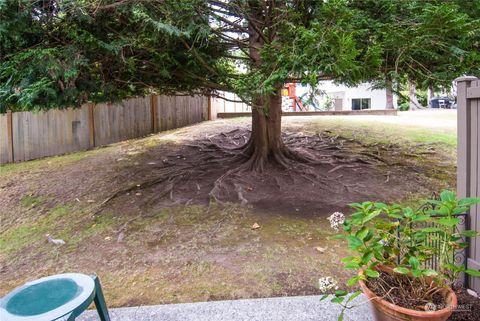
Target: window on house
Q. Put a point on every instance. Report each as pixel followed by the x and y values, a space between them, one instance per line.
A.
pixel 361 103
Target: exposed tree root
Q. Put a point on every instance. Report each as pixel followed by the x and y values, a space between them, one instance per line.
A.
pixel 312 159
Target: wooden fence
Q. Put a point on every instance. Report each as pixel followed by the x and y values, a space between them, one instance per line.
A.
pixel 31 135
pixel 468 180
pixel 228 103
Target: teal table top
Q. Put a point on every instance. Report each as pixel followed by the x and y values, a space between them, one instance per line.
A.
pixel 48 298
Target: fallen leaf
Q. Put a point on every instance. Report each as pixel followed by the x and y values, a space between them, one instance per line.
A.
pixel 138 194
pixel 321 249
pixel 255 226
pixel 90 201
pixel 108 238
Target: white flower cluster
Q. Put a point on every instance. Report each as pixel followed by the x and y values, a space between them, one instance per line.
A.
pixel 336 219
pixel 327 283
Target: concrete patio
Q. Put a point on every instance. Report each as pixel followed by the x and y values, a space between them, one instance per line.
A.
pixel 303 308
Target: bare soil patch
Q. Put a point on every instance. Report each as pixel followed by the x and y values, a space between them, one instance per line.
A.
pixel 142 214
pixel 197 172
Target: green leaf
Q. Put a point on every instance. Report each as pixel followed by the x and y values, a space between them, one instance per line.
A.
pixel 369 236
pixel 366 257
pixel 421 218
pixel 449 221
pixel 338 299
pixel 350 259
pixel 352 281
pixel 381 206
pixel 401 270
pixel 408 212
pixel 378 255
pixel 414 263
pixel 355 205
pixel 361 234
pixel 447 196
pixel 371 215
pixel 353 296
pixel 354 242
pixel 460 210
pixel 341 293
pixel 469 233
pixel 372 273
pixel 455 268
pixel 324 297
pixel 472 272
pixel 469 201
pixel 434 202
pixel 352 265
pixel 416 273
pixel 429 272
pixel 395 215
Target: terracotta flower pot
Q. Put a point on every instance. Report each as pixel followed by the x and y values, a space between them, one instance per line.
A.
pixel 386 311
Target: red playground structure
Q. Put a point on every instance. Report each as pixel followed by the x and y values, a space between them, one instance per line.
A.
pixel 289 90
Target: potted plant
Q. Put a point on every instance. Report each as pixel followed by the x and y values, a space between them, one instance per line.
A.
pixel 392 247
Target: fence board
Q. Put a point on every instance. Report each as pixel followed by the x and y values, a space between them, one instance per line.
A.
pixel 473 173
pixel 127 120
pixel 3 139
pixel 54 132
pixel 476 191
pixel 57 132
pixel 468 181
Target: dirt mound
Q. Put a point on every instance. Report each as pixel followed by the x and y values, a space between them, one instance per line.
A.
pixel 199 171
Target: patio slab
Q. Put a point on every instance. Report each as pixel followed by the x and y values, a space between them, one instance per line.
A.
pixel 303 308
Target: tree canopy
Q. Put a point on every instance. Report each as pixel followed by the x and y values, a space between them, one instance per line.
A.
pixel 56 53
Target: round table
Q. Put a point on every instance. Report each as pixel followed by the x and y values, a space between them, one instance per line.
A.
pixel 57 297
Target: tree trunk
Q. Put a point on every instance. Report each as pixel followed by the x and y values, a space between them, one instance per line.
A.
pixel 412 95
pixel 265 144
pixel 430 95
pixel 389 94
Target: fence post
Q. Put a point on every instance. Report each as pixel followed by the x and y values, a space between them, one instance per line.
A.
pixel 91 124
pixel 11 155
pixel 154 112
pixel 465 176
pixel 464 136
pixel 209 109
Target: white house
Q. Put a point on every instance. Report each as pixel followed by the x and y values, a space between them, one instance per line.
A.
pixel 340 97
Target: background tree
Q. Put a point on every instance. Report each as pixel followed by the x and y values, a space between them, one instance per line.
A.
pixel 59 53
pixel 424 43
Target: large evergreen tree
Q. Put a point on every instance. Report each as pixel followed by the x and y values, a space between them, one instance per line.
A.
pixel 63 52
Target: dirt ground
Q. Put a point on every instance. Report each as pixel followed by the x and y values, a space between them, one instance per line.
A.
pixel 141 214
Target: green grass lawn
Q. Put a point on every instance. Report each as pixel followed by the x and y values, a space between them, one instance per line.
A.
pixel 432 126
